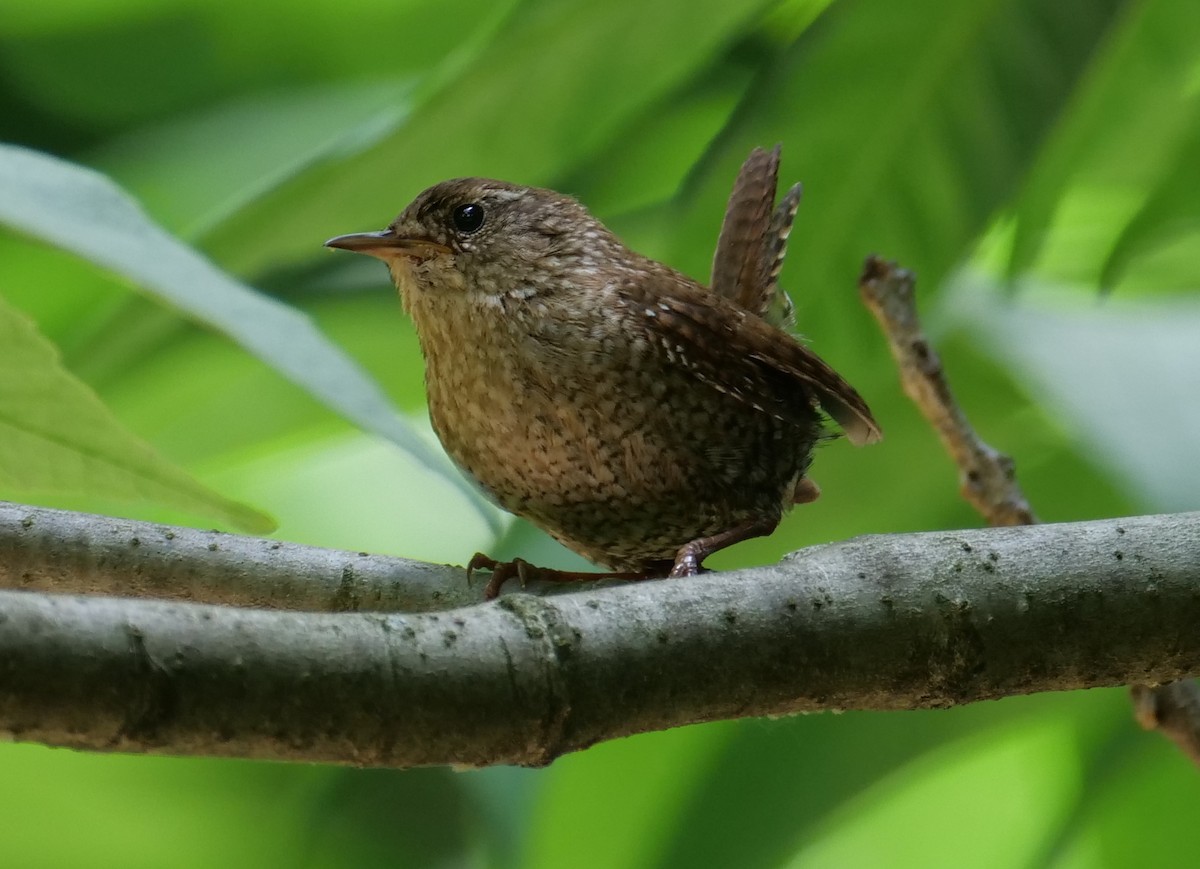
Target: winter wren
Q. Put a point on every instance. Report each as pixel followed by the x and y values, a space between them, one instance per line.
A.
pixel 640 418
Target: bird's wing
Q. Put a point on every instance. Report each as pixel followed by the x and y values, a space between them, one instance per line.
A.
pixel 741 355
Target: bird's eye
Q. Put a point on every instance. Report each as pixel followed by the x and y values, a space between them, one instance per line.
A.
pixel 468 218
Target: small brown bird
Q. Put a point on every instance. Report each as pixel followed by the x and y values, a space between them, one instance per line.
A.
pixel 643 420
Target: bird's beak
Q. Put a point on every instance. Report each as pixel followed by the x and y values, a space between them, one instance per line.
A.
pixel 385 244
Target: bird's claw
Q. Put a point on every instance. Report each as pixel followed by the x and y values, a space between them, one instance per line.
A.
pixel 502 572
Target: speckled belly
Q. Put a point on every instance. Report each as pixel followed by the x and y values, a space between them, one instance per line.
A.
pixel 620 479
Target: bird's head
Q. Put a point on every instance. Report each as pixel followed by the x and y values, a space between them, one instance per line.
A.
pixel 477 235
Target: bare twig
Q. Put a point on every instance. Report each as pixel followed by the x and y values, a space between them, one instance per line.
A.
pixel 988 477
pixel 881 622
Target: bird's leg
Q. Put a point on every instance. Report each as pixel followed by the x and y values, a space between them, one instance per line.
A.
pixel 503 571
pixel 687 561
pixel 691 555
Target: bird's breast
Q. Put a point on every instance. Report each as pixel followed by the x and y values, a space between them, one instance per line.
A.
pixel 585 426
pixel 534 412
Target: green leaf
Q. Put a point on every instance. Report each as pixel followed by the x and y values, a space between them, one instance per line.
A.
pixel 811 766
pixel 82 211
pixel 59 438
pixel 648 166
pixel 1122 378
pixel 96 68
pixel 1139 77
pixel 930 815
pixel 668 767
pixel 378 817
pixel 910 124
pixel 1137 819
pixel 230 813
pixel 549 90
pixel 190 186
pixel 1171 209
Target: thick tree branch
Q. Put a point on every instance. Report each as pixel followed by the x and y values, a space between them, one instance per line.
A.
pixel 80 553
pixel 879 622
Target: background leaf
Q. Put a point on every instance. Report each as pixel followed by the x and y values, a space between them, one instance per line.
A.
pixel 547 91
pixel 1169 211
pixel 902 150
pixel 1091 364
pixel 83 212
pixel 59 438
pixel 1139 73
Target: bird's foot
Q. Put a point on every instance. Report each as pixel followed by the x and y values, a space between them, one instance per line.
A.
pixel 689 558
pixel 687 561
pixel 503 571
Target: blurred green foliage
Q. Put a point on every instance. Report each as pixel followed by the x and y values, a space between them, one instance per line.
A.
pixel 1020 155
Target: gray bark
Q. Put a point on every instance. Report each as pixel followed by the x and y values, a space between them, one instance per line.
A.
pixel 879 622
pixel 65 552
